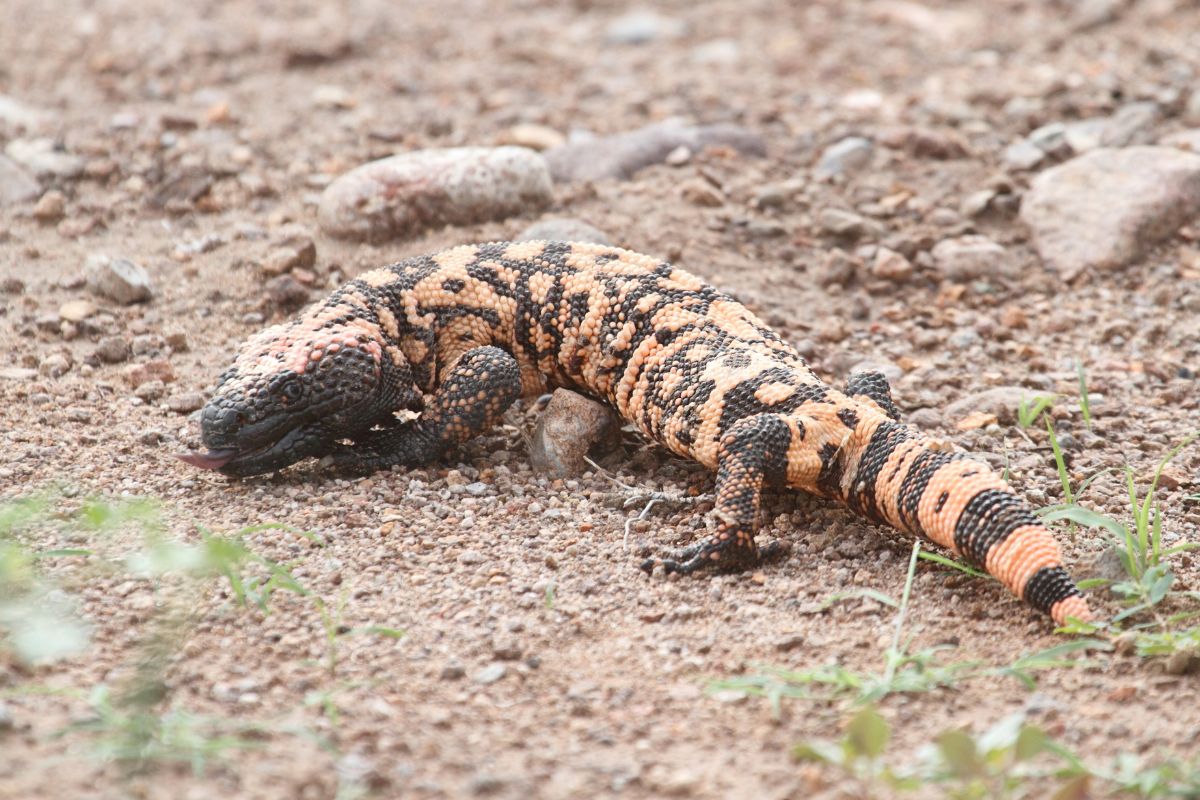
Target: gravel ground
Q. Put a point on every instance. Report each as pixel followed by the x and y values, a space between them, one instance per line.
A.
pixel 195 140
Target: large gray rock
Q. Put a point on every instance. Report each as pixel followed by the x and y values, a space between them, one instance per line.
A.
pixel 1104 209
pixel 1002 401
pixel 400 196
pixel 44 158
pixel 845 155
pixel 970 258
pixel 118 279
pixel 563 229
pixel 565 432
pixel 620 156
pixel 16 185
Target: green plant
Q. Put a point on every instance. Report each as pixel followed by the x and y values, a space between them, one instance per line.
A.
pixel 1009 760
pixel 1028 410
pixel 903 672
pixel 1139 545
pixel 137 738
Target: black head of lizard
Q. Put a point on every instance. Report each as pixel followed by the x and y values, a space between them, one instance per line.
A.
pixel 298 389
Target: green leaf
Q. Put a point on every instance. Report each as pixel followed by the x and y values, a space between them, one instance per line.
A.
pixel 1030 742
pixel 391 633
pixel 61 553
pixel 959 753
pixel 819 752
pixel 1074 789
pixel 949 562
pixel 877 596
pixel 1085 517
pixel 868 733
pixel 1093 583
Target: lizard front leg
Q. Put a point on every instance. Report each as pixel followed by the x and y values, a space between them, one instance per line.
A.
pixel 470 399
pixel 753 453
pixel 873 386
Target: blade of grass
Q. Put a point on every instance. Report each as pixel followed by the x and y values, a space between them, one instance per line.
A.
pixel 950 562
pixel 1085 405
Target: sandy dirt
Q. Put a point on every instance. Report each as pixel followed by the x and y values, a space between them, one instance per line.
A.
pixel 538 661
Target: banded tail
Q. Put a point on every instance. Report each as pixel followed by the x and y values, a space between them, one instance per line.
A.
pixel 898 476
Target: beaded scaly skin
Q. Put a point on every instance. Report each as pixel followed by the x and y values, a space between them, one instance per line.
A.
pixel 476 327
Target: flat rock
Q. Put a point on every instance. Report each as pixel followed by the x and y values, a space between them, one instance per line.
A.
pixel 845 155
pixel 17 185
pixel 623 154
pixel 17 373
pixel 1183 140
pixel 643 26
pixel 76 310
pixel 44 158
pixel 565 432
pixel 563 229
pixel 118 279
pixel 156 370
pixel 400 196
pixel 19 115
pixel 186 402
pixel 999 401
pixel 970 258
pixel 1104 209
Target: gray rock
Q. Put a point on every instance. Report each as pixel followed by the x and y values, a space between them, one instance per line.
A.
pixel 1023 154
pixel 642 27
pixel 490 674
pixel 1183 140
pixel 565 432
pixel 50 207
pixel 6 719
pixel 970 258
pixel 1132 124
pixel 962 339
pixel 44 158
pixel 838 267
pixel 1182 662
pixel 1191 111
pixel 19 115
pixel 113 350
pixel 1109 565
pixel 622 155
pixel 846 224
pixel 403 195
pixel 118 279
pixel 1002 401
pixel 286 293
pixel 717 53
pixel 186 402
pixel 55 365
pixel 1102 210
pixel 891 266
pixel 16 184
pixel 563 229
pixel 846 155
pixel 150 390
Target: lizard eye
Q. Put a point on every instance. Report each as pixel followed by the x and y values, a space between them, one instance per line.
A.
pixel 291 390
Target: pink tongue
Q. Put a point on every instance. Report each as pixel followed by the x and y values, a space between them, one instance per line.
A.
pixel 213 459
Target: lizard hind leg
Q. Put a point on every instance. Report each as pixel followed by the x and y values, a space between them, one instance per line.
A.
pixel 753 453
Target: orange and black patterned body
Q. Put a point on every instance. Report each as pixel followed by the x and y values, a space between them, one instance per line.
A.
pixel 476 326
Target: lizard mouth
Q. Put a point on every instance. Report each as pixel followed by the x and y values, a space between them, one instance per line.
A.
pixel 274 454
pixel 213 459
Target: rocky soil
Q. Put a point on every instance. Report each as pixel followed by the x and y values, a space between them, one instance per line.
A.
pixel 973 197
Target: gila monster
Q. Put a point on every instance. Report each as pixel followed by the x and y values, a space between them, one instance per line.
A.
pixel 475 327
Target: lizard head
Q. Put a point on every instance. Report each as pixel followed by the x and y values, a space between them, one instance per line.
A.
pixel 298 388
